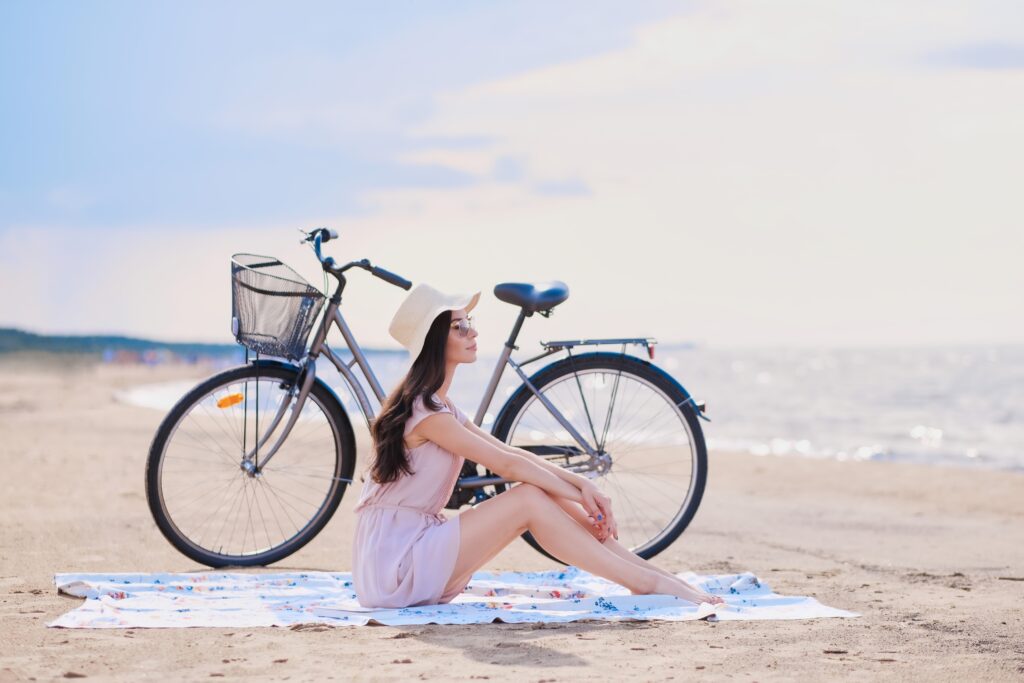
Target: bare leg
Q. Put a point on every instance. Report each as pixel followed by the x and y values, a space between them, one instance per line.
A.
pixel 576 511
pixel 495 523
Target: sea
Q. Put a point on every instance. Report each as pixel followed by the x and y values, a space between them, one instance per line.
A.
pixel 945 406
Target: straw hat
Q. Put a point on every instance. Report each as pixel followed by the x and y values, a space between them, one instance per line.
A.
pixel 414 316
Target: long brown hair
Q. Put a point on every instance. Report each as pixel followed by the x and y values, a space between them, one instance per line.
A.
pixel 423 379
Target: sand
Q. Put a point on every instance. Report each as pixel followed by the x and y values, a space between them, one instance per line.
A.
pixel 932 557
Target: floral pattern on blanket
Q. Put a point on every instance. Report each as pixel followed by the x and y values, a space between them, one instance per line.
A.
pixel 241 599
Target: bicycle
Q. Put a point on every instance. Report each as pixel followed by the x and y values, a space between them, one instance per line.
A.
pixel 252 463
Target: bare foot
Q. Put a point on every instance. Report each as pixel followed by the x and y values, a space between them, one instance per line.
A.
pixel 682 589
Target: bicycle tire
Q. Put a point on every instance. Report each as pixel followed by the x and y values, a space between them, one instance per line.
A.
pixel 650 375
pixel 344 464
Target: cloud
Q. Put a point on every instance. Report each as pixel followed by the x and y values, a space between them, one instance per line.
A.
pixel 980 56
pixel 566 188
pixel 783 173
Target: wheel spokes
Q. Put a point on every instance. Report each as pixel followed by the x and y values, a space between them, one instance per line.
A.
pixel 217 506
pixel 650 452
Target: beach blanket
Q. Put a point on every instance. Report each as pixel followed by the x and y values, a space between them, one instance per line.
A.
pixel 237 599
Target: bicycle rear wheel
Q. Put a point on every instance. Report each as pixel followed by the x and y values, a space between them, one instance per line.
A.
pixel 652 459
pixel 215 509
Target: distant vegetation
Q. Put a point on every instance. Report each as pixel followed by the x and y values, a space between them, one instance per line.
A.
pixel 12 340
pixel 117 349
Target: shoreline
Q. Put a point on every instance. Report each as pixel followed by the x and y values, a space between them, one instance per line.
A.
pixel 930 556
pixel 162 396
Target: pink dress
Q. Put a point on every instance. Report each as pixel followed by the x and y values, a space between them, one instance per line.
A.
pixel 404 550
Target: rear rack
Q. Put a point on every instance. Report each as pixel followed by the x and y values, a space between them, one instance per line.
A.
pixel 642 341
pixel 567 345
pixel 647 342
pixel 555 346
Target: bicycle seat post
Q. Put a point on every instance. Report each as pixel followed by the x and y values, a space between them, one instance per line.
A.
pixel 499 367
pixel 510 343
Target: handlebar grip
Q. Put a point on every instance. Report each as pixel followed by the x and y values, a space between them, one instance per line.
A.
pixel 388 276
pixel 327 235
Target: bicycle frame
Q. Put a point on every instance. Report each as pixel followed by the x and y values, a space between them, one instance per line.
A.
pixel 332 316
pixel 623 416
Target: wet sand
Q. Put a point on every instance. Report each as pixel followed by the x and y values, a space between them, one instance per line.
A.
pixel 932 557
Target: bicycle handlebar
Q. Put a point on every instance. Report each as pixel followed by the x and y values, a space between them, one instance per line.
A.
pixel 320 235
pixel 388 276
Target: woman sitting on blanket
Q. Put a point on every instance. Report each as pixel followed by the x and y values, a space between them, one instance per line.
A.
pixel 405 552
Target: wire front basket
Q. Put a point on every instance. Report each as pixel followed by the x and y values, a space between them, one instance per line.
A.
pixel 272 307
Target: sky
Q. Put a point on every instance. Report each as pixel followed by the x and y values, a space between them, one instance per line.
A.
pixel 723 173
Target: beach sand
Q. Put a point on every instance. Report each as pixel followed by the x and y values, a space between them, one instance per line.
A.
pixel 933 559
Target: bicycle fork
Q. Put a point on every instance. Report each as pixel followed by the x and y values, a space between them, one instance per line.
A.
pixel 251 463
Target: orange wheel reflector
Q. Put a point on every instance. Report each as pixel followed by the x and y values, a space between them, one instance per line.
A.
pixel 230 400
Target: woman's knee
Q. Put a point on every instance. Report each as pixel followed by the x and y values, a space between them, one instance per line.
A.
pixel 533 499
pixel 530 492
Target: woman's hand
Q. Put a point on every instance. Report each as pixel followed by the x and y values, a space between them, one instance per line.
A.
pixel 599 508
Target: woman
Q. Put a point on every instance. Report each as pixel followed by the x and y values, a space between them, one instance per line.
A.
pixel 405 552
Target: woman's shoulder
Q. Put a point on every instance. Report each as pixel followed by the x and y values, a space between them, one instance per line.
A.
pixel 425 405
pixel 429 403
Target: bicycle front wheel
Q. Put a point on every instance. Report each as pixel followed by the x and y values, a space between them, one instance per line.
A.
pixel 206 497
pixel 651 457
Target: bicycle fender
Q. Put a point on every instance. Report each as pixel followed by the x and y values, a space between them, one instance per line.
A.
pixel 696 406
pixel 338 406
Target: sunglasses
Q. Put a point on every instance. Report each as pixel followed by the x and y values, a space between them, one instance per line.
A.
pixel 464 326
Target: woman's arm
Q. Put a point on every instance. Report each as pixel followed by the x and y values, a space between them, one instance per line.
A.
pixel 597 505
pixel 444 430
pixel 573 478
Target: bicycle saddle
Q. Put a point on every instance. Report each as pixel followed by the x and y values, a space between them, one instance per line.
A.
pixel 533 297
